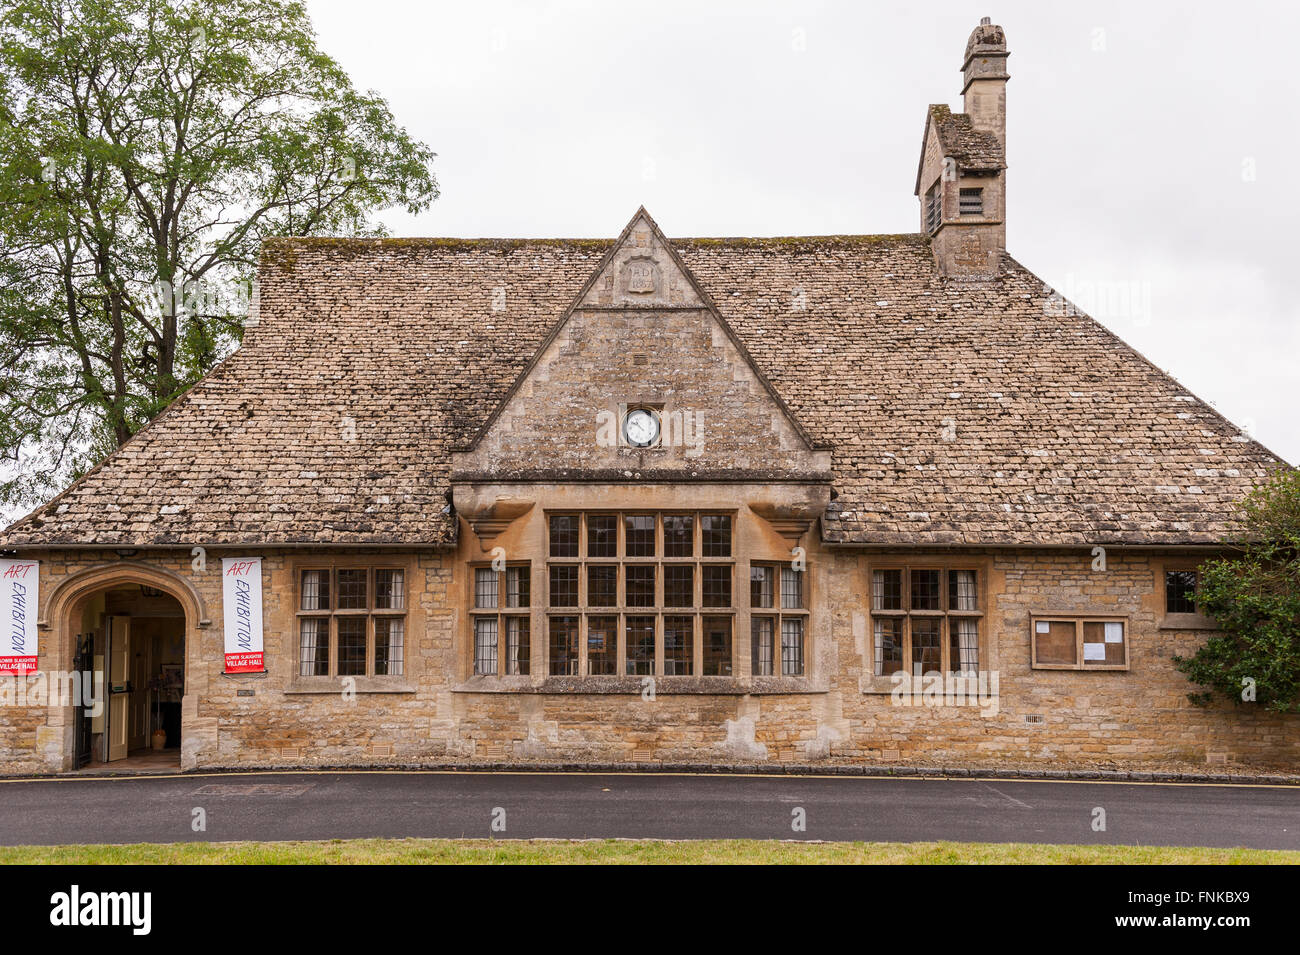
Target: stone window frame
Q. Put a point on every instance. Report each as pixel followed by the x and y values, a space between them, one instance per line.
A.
pixel 502 613
pixel 777 615
pixel 1079 619
pixel 964 208
pixel 945 614
pixel 622 611
pixel 1178 621
pixel 934 206
pixel 332 565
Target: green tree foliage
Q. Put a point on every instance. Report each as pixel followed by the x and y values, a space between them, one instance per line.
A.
pixel 1255 597
pixel 147 147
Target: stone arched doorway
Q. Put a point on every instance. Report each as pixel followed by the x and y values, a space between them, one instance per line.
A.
pixel 134 626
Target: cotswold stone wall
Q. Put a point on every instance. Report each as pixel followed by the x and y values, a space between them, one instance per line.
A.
pixel 642 338
pixel 437 713
pixel 1062 718
pixel 38 737
pixel 715 413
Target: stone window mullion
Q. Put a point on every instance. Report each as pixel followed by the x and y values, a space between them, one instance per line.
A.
pixel 659 645
pixel 582 644
pixel 334 644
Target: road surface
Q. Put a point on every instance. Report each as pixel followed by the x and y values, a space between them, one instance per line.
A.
pixel 344 805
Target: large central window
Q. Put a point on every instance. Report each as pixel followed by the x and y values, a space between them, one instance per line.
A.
pixel 640 594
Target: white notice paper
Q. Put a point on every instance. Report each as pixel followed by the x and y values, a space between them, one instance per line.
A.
pixel 1114 633
pixel 1044 627
pixel 1094 651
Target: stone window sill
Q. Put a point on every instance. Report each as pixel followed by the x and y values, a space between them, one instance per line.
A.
pixel 1188 621
pixel 876 685
pixel 884 686
pixel 632 685
pixel 323 685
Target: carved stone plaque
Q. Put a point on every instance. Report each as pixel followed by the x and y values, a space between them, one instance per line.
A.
pixel 641 275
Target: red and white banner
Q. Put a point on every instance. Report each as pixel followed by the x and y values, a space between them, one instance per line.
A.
pixel 19 607
pixel 241 606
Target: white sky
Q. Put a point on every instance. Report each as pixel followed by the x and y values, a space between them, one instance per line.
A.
pixel 1150 144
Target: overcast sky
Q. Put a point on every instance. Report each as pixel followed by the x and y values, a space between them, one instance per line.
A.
pixel 1150 145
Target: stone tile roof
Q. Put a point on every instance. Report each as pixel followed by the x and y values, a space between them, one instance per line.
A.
pixel 969 147
pixel 959 412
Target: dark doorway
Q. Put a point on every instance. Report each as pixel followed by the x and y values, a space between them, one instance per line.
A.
pixel 83 663
pixel 134 635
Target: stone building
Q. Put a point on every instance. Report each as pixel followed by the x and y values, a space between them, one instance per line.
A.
pixel 872 498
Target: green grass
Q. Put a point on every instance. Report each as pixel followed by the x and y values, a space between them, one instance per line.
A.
pixel 619 851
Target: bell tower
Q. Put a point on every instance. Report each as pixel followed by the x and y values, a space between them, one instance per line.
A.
pixel 961 177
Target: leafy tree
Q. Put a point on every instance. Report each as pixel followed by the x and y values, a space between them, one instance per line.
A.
pixel 1255 597
pixel 147 147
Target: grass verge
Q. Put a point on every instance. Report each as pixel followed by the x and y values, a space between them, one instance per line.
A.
pixel 623 852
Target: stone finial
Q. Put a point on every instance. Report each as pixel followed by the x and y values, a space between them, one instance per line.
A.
pixel 986 40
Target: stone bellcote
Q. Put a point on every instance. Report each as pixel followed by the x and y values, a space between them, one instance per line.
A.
pixel 961 176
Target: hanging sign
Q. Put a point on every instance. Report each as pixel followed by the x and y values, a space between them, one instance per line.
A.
pixel 19 606
pixel 241 604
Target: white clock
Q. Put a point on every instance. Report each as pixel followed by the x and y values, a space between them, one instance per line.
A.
pixel 641 427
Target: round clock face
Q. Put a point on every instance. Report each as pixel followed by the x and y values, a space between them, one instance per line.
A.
pixel 641 428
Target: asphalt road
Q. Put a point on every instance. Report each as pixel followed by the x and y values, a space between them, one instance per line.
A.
pixel 325 805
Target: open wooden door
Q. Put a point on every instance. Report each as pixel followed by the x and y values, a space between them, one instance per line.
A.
pixel 119 694
pixel 140 728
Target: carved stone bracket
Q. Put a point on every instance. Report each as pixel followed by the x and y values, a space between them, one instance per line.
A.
pixel 792 529
pixel 791 520
pixel 493 521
